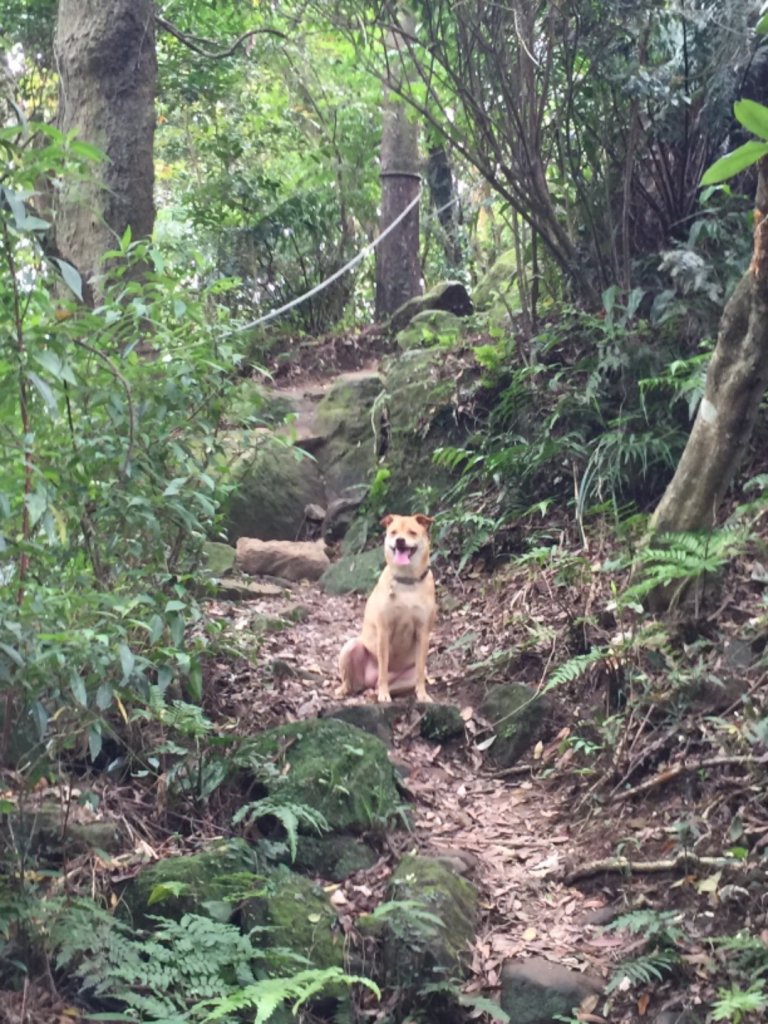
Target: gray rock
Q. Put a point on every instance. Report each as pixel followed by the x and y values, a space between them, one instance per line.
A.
pixel 341 512
pixel 376 719
pixel 450 296
pixel 334 768
pixel 433 327
pixel 440 722
pixel 435 947
pixel 354 574
pixel 292 560
pixel 333 857
pixel 346 419
pixel 272 487
pixel 516 714
pixel 536 991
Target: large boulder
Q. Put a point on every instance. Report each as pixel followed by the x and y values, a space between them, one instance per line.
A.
pixel 498 281
pixel 286 559
pixel 429 940
pixel 431 327
pixel 339 771
pixel 425 389
pixel 450 296
pixel 208 883
pixel 350 427
pixel 273 484
pixel 354 574
pixel 536 991
pixel 517 715
pixel 293 914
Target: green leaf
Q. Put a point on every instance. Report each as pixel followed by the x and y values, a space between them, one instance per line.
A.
pixel 78 690
pixel 127 660
pixel 163 890
pixel 754 117
pixel 71 276
pixel 732 163
pixel 44 390
pixel 94 740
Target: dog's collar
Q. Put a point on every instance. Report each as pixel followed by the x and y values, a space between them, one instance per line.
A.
pixel 409 581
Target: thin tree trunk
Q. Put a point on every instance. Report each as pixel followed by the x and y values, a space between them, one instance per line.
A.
pixel 105 52
pixel 736 382
pixel 398 272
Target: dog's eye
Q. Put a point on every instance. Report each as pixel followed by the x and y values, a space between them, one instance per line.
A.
pixel 411 533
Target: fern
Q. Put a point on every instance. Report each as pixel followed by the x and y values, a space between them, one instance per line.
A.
pixel 290 817
pixel 679 558
pixel 268 995
pixel 661 927
pixel 643 970
pixel 574 669
pixel 734 1004
pixel 184 972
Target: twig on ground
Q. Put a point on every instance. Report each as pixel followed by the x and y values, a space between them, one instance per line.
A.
pixel 684 766
pixel 684 861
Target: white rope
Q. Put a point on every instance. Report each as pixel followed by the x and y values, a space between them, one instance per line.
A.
pixel 365 251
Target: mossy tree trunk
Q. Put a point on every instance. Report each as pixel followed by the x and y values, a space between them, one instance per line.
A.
pixel 736 382
pixel 105 53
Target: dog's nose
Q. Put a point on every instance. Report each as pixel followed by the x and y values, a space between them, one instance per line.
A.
pixel 400 544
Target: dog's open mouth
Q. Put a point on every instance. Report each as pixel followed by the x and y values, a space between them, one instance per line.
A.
pixel 402 552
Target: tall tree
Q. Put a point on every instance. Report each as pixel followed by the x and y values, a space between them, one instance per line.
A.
pixel 105 52
pixel 736 382
pixel 398 271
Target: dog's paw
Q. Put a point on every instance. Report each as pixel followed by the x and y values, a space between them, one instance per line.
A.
pixel 341 691
pixel 424 698
pixel 384 698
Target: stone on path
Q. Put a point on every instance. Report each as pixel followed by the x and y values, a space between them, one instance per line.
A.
pixel 537 991
pixel 291 560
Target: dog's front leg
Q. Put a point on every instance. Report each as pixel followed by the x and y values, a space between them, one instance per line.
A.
pixel 382 657
pixel 421 665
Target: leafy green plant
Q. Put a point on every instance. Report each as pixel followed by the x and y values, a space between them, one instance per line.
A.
pixel 106 495
pixel 677 560
pixel 191 970
pixel 662 932
pixel 737 1005
pixel 290 817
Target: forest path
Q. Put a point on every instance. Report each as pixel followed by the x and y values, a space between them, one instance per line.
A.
pixel 512 832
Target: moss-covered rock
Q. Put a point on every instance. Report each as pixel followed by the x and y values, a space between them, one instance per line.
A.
pixel 377 719
pixel 424 388
pixel 345 420
pixel 516 714
pixel 440 722
pixel 333 857
pixel 431 944
pixel 298 918
pixel 536 991
pixel 432 327
pixel 447 296
pixel 211 883
pixel 48 834
pixel 272 487
pixel 334 768
pixel 219 558
pixel 353 574
pixel 499 280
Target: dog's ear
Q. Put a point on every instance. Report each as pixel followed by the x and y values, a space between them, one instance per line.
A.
pixel 425 521
pixel 386 521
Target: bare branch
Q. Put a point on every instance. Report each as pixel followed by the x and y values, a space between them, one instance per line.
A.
pixel 202 46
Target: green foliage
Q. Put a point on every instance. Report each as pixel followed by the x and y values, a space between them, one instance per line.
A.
pixel 754 117
pixel 676 560
pixel 737 1005
pixel 290 816
pixel 661 933
pixel 196 969
pixel 106 493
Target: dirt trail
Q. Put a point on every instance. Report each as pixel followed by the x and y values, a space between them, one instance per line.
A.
pixel 514 833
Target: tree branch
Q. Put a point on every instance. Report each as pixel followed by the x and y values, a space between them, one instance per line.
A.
pixel 199 45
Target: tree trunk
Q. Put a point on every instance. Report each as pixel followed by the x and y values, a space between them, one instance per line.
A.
pixel 398 272
pixel 443 193
pixel 105 53
pixel 736 381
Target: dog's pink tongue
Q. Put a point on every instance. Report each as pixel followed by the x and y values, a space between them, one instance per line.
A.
pixel 402 557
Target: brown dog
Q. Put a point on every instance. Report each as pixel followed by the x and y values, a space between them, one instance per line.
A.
pixel 391 651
